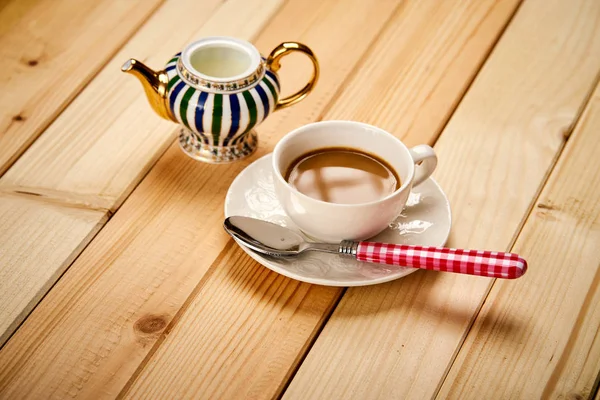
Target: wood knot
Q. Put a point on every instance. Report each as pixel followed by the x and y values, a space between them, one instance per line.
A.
pixel 150 324
pixel 32 63
pixel 18 118
pixel 548 206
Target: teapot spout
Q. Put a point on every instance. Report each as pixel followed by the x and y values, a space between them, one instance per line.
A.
pixel 155 85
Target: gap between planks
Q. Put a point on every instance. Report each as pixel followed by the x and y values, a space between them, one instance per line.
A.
pixel 554 117
pixel 45 197
pixel 355 70
pixel 567 203
pixel 432 142
pixel 25 272
pixel 178 150
pixel 596 389
pixel 6 161
pixel 458 99
pixel 566 136
pixel 176 318
pixel 460 92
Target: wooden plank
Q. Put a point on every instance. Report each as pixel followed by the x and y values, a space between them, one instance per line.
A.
pixel 267 322
pixel 397 340
pixel 103 317
pixel 49 51
pixel 38 242
pixel 412 92
pixel 249 349
pixel 96 161
pixel 546 325
pixel 25 253
pixel 221 13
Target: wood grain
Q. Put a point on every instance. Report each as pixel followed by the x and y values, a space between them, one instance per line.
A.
pixel 539 337
pixel 412 92
pixel 31 295
pixel 264 349
pixel 96 161
pixel 49 51
pixel 12 11
pixel 37 241
pixel 397 340
pixel 237 347
pixel 102 318
pixel 75 229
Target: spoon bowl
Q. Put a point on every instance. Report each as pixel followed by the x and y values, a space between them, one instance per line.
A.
pixel 272 239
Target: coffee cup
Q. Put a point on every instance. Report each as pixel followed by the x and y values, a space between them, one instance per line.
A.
pixel 334 222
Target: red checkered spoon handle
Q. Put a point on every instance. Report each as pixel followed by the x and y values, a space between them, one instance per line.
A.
pixel 473 262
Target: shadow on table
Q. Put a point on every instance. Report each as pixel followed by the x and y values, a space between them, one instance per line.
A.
pixel 420 298
pixel 435 300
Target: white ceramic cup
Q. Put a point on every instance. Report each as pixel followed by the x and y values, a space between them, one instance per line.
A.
pixel 332 222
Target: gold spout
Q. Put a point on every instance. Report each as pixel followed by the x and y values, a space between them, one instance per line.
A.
pixel 155 85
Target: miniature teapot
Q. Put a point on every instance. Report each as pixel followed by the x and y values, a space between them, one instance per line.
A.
pixel 219 89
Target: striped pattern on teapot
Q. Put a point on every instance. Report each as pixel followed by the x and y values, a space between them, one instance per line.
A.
pixel 221 119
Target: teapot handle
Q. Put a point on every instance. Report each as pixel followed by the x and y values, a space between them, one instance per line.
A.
pixel 273 64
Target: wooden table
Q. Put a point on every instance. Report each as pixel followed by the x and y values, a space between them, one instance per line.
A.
pixel 117 279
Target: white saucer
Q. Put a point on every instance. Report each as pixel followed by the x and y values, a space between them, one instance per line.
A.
pixel 425 221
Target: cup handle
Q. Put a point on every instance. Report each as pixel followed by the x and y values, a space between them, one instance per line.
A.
pixel 273 64
pixel 426 160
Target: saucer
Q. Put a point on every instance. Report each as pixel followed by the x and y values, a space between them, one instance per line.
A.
pixel 425 221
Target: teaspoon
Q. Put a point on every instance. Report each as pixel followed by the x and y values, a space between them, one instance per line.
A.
pixel 275 240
